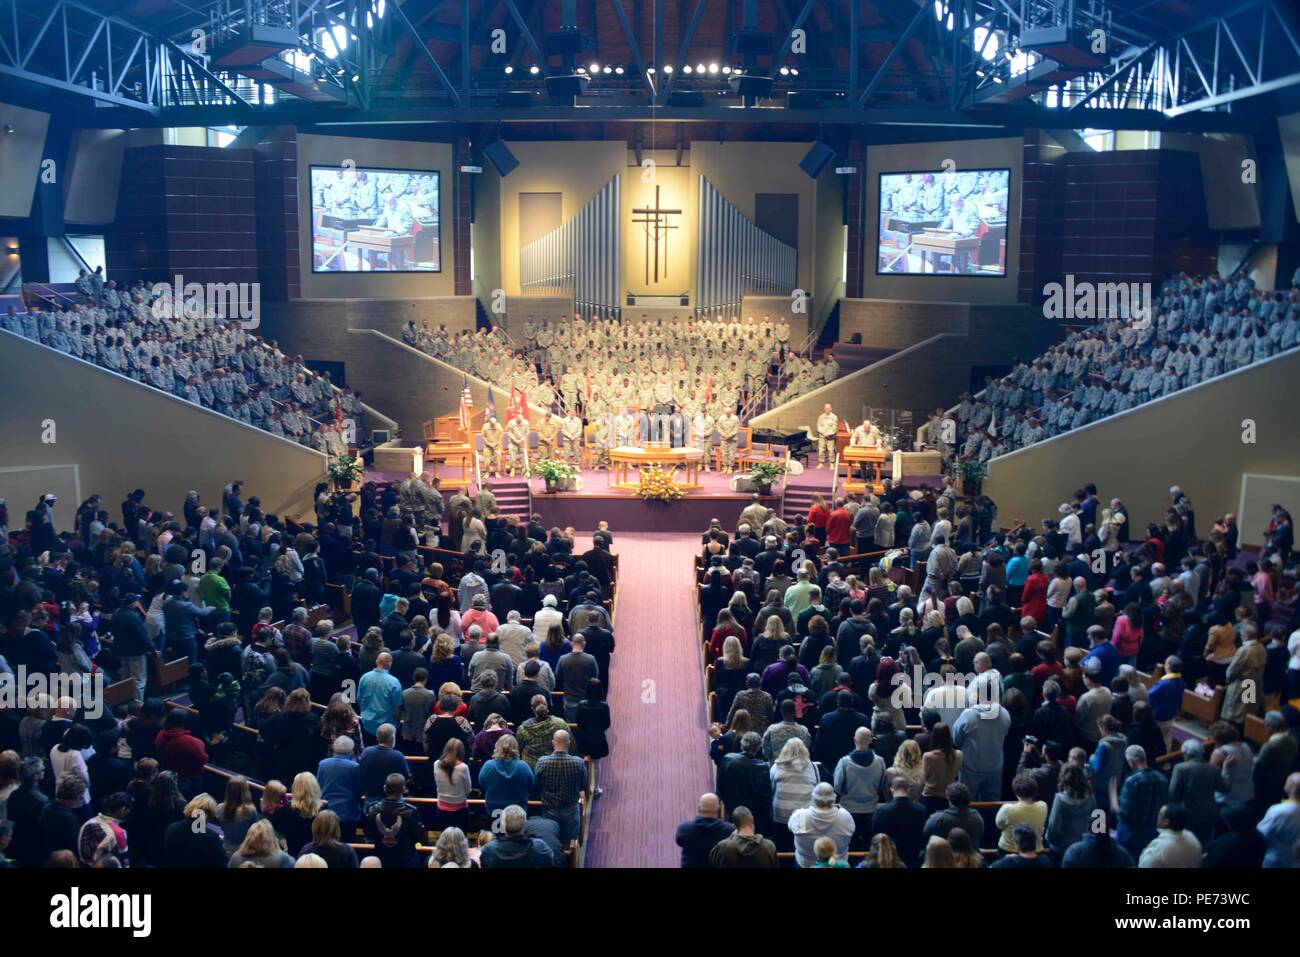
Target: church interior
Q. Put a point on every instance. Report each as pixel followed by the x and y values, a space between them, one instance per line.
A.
pixel 628 434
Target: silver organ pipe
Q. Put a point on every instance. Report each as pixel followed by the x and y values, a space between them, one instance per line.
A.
pixel 582 258
pixel 735 258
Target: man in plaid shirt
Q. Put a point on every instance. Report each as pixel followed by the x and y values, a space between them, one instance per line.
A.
pixel 561 777
pixel 1140 799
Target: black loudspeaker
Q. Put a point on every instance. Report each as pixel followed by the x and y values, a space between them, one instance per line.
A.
pixel 751 84
pixel 817 159
pixel 567 86
pixel 499 155
pixel 566 42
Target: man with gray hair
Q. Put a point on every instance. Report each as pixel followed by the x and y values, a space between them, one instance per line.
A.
pixel 1275 760
pixel 1145 790
pixel 340 783
pixel 822 818
pixel 1194 784
pixel 511 847
pixel 513 637
pixel 492 658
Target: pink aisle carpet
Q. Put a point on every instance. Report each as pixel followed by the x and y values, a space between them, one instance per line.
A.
pixel 658 764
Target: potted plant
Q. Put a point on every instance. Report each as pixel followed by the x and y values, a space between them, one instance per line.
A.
pixel 972 476
pixel 554 472
pixel 763 474
pixel 344 471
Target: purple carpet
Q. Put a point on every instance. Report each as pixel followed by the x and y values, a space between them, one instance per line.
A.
pixel 658 764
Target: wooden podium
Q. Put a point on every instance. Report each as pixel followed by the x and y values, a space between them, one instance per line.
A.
pixel 623 459
pixel 943 242
pixel 867 455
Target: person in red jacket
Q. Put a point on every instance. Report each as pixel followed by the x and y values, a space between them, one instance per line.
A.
pixel 180 751
pixel 1033 597
pixel 839 528
pixel 818 516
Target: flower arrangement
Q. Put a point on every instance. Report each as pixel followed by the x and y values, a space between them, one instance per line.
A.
pixel 656 485
pixel 345 470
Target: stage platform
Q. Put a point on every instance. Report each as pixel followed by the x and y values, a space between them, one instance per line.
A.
pixel 624 511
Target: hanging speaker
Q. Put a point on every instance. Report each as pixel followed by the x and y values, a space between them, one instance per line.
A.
pixel 499 155
pixel 817 159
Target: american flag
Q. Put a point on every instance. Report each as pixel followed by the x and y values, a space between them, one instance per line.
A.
pixel 466 405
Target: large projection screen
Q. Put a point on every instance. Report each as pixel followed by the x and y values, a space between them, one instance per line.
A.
pixel 943 223
pixel 370 219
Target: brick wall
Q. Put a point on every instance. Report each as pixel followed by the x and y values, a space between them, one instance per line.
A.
pixel 185 209
pixel 276 177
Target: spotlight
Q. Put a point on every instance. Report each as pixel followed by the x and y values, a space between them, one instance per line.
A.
pixel 699 68
pixel 686 69
pixel 793 71
pixel 979 73
pixel 582 69
pixel 608 68
pixel 618 70
pixel 785 71
pixel 595 68
pixel 509 69
pixel 650 69
pixel 668 68
pixel 726 70
pixel 713 68
pixel 997 79
pixel 534 69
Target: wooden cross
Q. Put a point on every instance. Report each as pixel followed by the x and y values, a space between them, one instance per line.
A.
pixel 657 225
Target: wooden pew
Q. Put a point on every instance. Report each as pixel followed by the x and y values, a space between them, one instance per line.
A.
pixel 1202 709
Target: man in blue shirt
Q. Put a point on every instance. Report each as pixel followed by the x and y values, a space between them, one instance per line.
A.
pixel 340 784
pixel 378 762
pixel 380 696
pixel 1104 654
pixel 1166 696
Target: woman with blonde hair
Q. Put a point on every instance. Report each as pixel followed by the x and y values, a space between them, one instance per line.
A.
pixel 767 650
pixel 793 777
pixel 883 853
pixel 907 765
pixel 327 842
pixel 938 854
pixel 444 664
pixel 236 814
pixel 196 840
pixel 964 854
pixel 293 822
pixel 452 850
pixel 274 796
pixel 310 862
pixel 729 673
pixel 260 849
pixel 741 614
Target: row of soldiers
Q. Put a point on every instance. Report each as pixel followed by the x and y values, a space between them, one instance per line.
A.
pixel 208 361
pixel 602 366
pixel 1197 328
pixel 565 437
